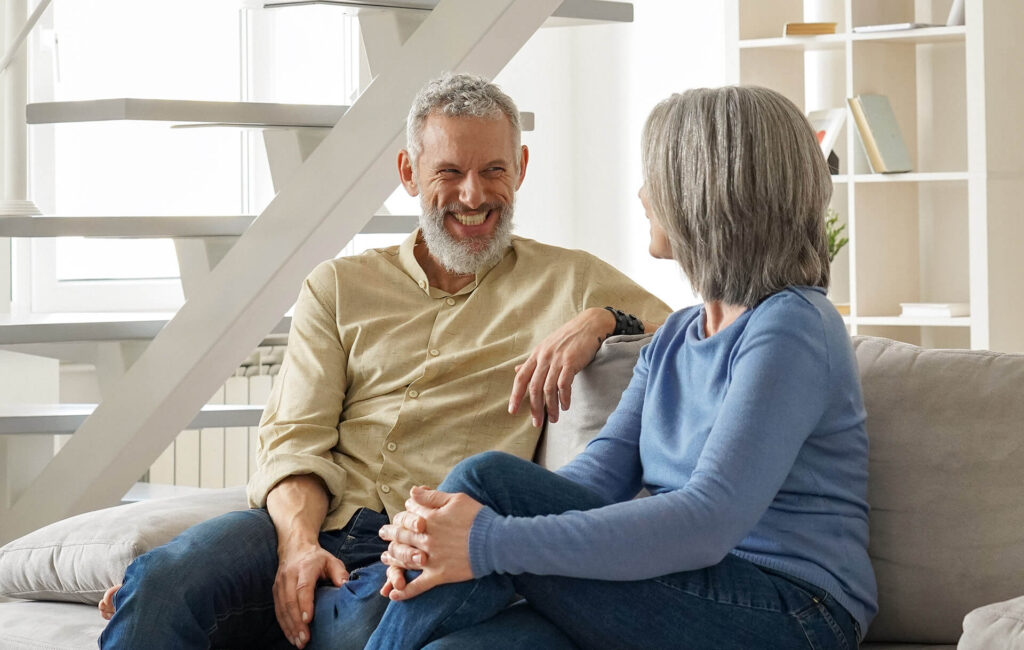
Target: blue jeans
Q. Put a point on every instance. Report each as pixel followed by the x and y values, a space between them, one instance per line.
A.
pixel 212 586
pixel 734 604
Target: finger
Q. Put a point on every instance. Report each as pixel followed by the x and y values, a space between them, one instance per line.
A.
pixel 424 496
pixel 387 532
pixel 419 585
pixel 520 384
pixel 551 393
pixel 405 556
pixel 283 619
pixel 537 395
pixel 565 386
pixel 409 538
pixel 410 521
pixel 396 577
pixel 335 571
pixel 303 605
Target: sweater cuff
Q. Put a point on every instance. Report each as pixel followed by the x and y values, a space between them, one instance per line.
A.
pixel 479 535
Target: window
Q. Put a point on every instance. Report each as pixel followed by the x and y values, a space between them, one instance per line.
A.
pixel 147 49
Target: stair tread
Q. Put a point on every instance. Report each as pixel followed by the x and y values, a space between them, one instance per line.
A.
pixel 112 326
pixel 163 226
pixel 66 418
pixel 232 114
pixel 571 12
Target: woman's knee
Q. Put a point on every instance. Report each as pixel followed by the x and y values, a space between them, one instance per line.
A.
pixel 478 474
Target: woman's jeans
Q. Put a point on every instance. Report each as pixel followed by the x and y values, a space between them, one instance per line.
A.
pixel 213 586
pixel 734 604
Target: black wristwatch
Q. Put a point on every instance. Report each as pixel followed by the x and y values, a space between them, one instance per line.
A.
pixel 626 323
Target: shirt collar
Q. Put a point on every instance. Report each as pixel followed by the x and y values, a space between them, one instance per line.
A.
pixel 412 268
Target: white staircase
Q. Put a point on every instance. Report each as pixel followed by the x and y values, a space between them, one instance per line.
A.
pixel 241 274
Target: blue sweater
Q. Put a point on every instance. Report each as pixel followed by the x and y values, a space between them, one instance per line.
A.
pixel 751 442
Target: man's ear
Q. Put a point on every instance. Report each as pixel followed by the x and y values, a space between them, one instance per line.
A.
pixel 405 173
pixel 523 159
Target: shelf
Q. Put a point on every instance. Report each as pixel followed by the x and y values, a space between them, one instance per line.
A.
pixel 838 41
pixel 166 227
pixel 66 418
pixel 59 328
pixel 902 321
pixel 916 36
pixel 802 43
pixel 571 12
pixel 911 177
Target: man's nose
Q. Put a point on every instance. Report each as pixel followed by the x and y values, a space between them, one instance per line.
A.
pixel 471 191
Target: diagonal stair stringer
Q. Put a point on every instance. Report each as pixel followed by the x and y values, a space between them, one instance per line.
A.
pixel 323 206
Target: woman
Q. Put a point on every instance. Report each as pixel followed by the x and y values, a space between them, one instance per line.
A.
pixel 744 420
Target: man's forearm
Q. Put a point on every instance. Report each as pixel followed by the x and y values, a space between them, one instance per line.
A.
pixel 298 506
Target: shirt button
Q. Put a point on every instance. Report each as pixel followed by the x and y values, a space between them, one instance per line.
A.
pixel 414 394
pixel 385 489
pixel 392 446
pixel 434 353
pixel 450 301
pixel 423 284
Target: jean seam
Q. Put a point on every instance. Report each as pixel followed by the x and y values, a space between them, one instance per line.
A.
pixel 236 611
pixel 830 620
pixel 465 601
pixel 720 602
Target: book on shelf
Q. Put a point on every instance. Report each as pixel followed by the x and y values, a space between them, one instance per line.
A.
pixel 891 27
pixel 934 309
pixel 879 134
pixel 808 29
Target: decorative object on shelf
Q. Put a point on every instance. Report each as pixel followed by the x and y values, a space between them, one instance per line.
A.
pixel 826 124
pixel 833 162
pixel 834 231
pixel 891 27
pixel 879 134
pixel 934 309
pixel 956 14
pixel 808 29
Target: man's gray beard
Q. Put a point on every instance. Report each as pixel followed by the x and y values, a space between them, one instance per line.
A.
pixel 467 256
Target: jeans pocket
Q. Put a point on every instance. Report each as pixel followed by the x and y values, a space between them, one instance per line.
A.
pixel 822 630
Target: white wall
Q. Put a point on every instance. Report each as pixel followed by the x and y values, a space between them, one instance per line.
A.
pixel 591 89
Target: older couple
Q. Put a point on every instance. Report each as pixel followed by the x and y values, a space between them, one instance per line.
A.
pixel 743 420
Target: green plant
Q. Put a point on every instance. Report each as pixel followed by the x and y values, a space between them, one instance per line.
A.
pixel 834 230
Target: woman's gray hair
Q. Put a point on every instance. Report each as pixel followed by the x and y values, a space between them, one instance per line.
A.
pixel 459 95
pixel 736 178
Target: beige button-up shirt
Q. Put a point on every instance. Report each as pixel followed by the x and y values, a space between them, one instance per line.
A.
pixel 388 382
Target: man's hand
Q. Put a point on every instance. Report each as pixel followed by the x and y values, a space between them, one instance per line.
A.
pixel 298 505
pixel 433 534
pixel 548 372
pixel 300 567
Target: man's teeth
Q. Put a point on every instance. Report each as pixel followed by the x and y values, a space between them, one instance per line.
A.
pixel 470 219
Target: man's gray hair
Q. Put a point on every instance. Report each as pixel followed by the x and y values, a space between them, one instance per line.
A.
pixel 459 95
pixel 736 178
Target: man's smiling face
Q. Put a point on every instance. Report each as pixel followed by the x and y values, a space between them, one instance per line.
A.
pixel 467 175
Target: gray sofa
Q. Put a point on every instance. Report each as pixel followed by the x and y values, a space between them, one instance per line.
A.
pixel 946 491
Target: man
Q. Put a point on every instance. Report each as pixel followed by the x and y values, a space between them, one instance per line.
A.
pixel 398 366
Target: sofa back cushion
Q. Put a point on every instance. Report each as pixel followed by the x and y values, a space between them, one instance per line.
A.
pixel 946 484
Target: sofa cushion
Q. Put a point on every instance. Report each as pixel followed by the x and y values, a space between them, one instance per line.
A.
pixel 595 394
pixel 78 558
pixel 946 430
pixel 35 625
pixel 999 625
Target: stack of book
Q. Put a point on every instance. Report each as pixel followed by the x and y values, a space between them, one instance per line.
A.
pixel 808 29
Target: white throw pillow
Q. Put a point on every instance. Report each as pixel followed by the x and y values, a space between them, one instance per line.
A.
pixel 78 558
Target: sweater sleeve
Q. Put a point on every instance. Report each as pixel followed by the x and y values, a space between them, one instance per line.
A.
pixel 775 398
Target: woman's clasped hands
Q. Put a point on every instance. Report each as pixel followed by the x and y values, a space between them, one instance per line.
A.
pixel 431 536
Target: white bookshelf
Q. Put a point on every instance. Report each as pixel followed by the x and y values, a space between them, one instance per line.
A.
pixel 949 230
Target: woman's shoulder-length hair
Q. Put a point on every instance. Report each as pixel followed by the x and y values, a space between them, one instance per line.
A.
pixel 736 178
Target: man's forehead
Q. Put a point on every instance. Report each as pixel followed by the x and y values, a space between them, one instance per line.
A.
pixel 443 133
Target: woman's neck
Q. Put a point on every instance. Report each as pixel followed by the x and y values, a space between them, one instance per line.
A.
pixel 718 316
